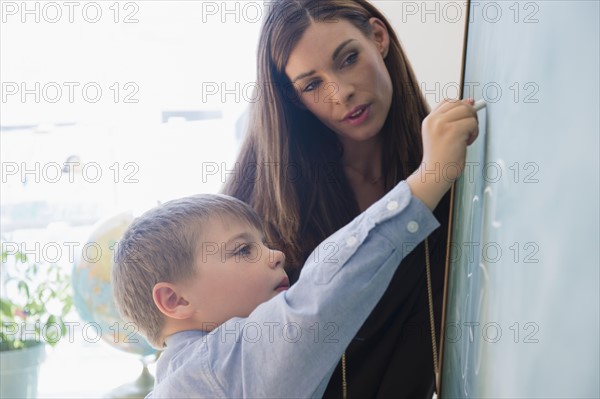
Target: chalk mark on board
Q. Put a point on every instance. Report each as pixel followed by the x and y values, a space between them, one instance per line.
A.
pixel 495 223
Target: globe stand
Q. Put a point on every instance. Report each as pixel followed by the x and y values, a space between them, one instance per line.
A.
pixel 135 389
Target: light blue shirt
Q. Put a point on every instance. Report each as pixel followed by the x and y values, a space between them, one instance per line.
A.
pixel 289 346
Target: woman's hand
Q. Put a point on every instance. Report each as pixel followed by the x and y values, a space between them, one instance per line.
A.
pixel 446 133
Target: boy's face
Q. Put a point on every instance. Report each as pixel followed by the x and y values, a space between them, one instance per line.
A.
pixel 236 272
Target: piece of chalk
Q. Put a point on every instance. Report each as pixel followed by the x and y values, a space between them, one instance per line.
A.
pixel 479 104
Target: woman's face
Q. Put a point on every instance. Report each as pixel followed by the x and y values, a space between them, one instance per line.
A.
pixel 341 77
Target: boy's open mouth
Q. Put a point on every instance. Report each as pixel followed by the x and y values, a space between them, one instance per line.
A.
pixel 283 285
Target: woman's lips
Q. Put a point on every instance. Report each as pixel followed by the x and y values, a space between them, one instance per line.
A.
pixel 358 115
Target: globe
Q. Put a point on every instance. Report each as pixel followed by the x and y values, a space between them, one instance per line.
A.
pixel 92 288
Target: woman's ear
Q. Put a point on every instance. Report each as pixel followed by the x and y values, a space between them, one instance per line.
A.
pixel 169 301
pixel 380 36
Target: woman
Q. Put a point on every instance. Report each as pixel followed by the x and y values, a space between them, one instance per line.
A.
pixel 338 124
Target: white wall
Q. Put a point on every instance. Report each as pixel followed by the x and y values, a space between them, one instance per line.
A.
pixel 431 33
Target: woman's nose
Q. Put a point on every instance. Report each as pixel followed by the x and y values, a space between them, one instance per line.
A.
pixel 276 259
pixel 342 92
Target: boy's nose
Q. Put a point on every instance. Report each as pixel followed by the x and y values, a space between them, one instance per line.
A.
pixel 276 259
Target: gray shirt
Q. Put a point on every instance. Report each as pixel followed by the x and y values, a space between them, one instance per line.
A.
pixel 289 346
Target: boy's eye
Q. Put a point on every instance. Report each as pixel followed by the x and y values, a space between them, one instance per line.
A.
pixel 244 250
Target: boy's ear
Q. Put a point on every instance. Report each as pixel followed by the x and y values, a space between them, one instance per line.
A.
pixel 169 301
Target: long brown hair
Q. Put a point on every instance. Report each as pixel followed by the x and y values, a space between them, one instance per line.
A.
pixel 289 168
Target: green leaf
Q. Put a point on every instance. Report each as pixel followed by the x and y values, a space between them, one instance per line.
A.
pixel 52 330
pixel 6 307
pixel 24 287
pixel 39 284
pixel 21 257
pixel 68 304
pixel 63 327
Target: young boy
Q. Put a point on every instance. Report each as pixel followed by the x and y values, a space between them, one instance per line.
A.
pixel 194 275
pixel 197 279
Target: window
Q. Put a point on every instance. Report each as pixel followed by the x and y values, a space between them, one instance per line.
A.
pixel 111 107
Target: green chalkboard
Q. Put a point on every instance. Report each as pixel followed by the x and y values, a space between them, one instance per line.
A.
pixel 522 310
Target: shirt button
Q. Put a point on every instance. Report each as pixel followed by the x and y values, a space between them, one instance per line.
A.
pixel 412 226
pixel 351 241
pixel 392 205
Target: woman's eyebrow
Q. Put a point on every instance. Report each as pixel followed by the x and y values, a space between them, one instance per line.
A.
pixel 303 75
pixel 336 52
pixel 340 48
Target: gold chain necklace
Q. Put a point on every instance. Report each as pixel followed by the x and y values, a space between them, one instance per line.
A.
pixel 436 368
pixel 344 382
pixel 431 321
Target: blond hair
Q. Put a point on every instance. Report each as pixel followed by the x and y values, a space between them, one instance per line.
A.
pixel 162 245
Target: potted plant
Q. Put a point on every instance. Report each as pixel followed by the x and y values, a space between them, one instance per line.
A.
pixel 34 299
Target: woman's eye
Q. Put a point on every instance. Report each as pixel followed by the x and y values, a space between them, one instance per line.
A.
pixel 311 86
pixel 351 59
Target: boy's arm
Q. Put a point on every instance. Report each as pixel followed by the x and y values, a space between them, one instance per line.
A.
pixel 290 345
